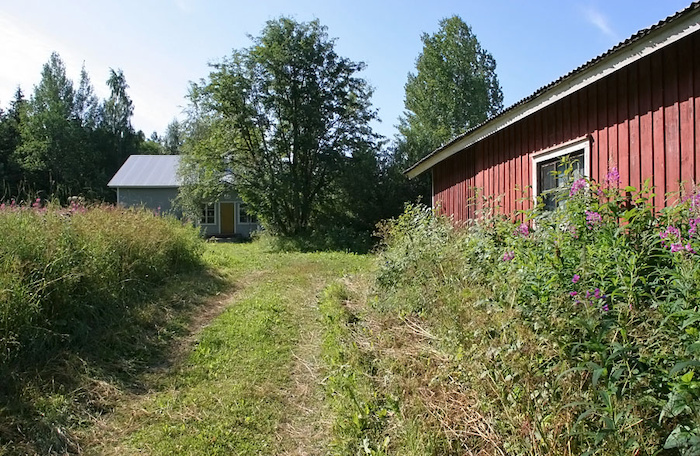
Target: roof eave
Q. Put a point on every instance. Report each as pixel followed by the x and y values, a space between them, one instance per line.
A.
pixel 657 37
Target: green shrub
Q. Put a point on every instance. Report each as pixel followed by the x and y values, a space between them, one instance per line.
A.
pixel 65 271
pixel 585 334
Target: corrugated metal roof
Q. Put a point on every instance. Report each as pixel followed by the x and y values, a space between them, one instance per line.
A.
pixel 542 90
pixel 148 171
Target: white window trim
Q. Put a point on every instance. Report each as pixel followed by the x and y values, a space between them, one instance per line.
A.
pixel 238 216
pixel 559 151
pixel 215 211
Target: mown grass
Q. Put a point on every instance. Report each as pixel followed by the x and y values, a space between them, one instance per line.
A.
pixel 236 391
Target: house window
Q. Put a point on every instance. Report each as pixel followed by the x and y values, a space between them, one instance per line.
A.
pixel 244 216
pixel 207 214
pixel 550 167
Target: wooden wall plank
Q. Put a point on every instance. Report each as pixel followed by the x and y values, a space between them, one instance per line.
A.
pixel 612 158
pixel 635 164
pixel 686 114
pixel 592 120
pixel 646 122
pixel 672 129
pixel 696 107
pixel 623 137
pixel 657 102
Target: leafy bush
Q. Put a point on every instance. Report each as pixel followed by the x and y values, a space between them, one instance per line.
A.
pixel 585 332
pixel 65 271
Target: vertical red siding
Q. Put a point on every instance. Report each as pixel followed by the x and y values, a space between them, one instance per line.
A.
pixel 644 119
pixel 686 114
pixel 635 164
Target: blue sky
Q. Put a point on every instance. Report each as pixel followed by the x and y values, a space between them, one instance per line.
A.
pixel 161 45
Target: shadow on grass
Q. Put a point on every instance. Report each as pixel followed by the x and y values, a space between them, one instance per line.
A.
pixel 54 389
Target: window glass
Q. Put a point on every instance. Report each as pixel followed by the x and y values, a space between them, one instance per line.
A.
pixel 244 216
pixel 207 217
pixel 552 175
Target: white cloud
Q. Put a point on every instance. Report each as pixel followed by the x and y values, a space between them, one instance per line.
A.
pixel 599 21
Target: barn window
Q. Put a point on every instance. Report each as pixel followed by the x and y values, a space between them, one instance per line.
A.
pixel 548 172
pixel 244 216
pixel 207 217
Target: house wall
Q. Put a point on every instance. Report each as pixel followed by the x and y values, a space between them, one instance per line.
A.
pixel 151 198
pixel 242 229
pixel 644 119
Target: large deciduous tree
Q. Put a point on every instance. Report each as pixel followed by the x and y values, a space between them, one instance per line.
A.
pixel 454 88
pixel 285 119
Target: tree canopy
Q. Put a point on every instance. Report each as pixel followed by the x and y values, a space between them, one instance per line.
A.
pixel 284 118
pixel 455 88
pixel 64 141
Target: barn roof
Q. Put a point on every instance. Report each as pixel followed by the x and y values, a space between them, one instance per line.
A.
pixel 148 171
pixel 639 45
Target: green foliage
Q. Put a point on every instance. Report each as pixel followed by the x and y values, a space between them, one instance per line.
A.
pixel 584 335
pixel 455 88
pixel 361 412
pixel 65 271
pixel 64 141
pixel 283 120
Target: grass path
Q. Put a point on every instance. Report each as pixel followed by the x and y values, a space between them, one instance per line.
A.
pixel 247 380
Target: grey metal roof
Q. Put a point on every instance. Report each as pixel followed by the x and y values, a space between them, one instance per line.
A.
pixel 640 35
pixel 148 171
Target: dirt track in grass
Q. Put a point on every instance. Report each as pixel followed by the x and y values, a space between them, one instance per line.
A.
pixel 247 379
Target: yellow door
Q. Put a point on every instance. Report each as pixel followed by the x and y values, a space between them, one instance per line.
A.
pixel 228 218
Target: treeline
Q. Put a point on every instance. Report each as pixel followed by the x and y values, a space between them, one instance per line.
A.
pixel 286 123
pixel 63 140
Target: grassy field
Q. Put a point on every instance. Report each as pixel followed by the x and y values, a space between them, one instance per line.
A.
pixel 248 379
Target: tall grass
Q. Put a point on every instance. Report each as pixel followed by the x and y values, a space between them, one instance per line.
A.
pixel 64 271
pixel 575 331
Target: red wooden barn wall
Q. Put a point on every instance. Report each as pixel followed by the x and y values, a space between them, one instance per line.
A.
pixel 644 119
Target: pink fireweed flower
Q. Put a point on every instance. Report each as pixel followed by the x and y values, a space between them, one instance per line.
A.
pixel 677 247
pixel 573 294
pixel 577 186
pixel 593 218
pixel 613 176
pixel 523 230
pixel 689 248
pixel 575 278
pixel 572 230
pixel 508 256
pixel 695 201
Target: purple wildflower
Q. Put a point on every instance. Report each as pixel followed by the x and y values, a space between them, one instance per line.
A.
pixel 605 307
pixel 596 293
pixel 508 255
pixel 575 278
pixel 689 248
pixel 593 218
pixel 695 201
pixel 573 293
pixel 577 186
pixel 613 176
pixel 676 247
pixel 523 230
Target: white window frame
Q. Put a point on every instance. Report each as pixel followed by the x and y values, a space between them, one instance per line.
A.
pixel 559 151
pixel 205 206
pixel 241 208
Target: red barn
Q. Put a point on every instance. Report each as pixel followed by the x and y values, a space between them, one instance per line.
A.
pixel 636 107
